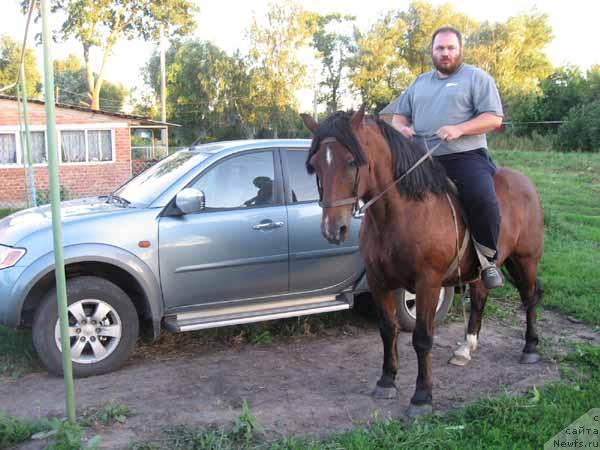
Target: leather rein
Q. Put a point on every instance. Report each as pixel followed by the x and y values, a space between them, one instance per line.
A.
pixel 354 199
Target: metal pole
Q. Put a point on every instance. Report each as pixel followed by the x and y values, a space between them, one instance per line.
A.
pixel 59 262
pixel 163 76
pixel 28 137
pixel 163 87
pixel 21 146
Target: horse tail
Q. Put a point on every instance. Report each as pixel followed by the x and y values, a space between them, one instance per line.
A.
pixel 511 274
pixel 509 270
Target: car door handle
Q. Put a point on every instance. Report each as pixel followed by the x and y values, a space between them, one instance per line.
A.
pixel 267 225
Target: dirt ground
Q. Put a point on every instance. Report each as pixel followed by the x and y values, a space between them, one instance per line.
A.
pixel 307 385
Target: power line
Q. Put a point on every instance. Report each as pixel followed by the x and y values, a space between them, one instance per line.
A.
pixel 108 100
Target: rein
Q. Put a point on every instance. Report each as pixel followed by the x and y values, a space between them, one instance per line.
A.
pixel 357 211
pixel 361 211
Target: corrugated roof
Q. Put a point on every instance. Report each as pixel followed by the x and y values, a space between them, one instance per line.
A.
pixel 141 119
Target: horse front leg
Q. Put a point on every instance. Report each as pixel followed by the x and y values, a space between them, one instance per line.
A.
pixel 389 327
pixel 462 355
pixel 427 298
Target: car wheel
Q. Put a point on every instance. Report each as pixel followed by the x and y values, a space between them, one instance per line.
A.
pixel 406 308
pixel 103 327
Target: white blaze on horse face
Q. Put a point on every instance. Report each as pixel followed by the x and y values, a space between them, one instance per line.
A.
pixel 328 156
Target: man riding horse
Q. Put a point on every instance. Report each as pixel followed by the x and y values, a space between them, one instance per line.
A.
pixel 457 104
pixel 411 237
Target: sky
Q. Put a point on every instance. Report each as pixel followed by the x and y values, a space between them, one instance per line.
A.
pixel 225 22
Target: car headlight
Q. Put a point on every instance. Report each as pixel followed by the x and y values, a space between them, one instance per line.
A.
pixel 9 256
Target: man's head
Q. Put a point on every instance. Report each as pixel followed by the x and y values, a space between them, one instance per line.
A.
pixel 446 50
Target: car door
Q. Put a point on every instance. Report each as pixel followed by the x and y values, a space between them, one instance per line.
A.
pixel 315 264
pixel 237 247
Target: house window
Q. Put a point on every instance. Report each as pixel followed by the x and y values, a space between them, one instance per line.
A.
pixel 73 146
pixel 8 148
pixel 86 145
pixel 100 145
pixel 38 147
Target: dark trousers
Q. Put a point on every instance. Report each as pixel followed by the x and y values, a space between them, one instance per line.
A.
pixel 473 172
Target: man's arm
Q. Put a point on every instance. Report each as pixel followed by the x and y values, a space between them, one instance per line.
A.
pixel 402 124
pixel 481 124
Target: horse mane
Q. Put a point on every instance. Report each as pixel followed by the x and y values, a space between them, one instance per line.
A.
pixel 336 126
pixel 430 176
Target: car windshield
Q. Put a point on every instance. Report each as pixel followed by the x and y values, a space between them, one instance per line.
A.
pixel 148 185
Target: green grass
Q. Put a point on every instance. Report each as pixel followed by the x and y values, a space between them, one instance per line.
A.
pixel 14 431
pixel 6 212
pixel 111 413
pixel 507 140
pixel 17 355
pixel 60 434
pixel 569 186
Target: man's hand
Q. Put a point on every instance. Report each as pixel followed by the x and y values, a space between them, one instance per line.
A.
pixel 449 132
pixel 402 124
pixel 407 131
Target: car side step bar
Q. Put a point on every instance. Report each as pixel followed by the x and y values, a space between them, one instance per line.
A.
pixel 258 312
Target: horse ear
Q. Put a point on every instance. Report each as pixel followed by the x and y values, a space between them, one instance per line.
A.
pixel 309 122
pixel 357 117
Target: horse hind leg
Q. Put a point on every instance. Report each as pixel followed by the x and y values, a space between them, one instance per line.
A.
pixel 389 328
pixel 524 274
pixel 462 355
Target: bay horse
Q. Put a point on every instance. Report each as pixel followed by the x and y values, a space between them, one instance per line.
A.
pixel 408 237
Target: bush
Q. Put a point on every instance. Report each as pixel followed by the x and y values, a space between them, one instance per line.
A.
pixel 511 140
pixel 582 129
pixel 42 196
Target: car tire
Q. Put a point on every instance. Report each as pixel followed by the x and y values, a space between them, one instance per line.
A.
pixel 406 311
pixel 103 324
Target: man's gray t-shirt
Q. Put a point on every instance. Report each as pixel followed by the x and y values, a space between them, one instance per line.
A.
pixel 431 102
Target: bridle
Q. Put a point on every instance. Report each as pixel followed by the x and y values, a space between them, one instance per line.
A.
pixel 359 211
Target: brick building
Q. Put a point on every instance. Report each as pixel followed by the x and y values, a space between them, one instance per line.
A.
pixel 94 150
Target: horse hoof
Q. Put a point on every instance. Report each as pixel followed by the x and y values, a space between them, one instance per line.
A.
pixel 529 358
pixel 415 411
pixel 384 392
pixel 459 360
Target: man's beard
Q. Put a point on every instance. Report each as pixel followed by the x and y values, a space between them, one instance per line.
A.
pixel 447 69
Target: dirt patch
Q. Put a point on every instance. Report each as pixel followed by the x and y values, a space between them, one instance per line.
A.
pixel 309 385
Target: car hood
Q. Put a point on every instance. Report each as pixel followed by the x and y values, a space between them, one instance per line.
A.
pixel 18 225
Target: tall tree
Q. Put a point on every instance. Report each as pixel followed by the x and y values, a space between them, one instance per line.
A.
pixel 422 19
pixel 334 47
pixel 277 71
pixel 397 49
pixel 100 24
pixel 379 71
pixel 209 91
pixel 513 52
pixel 70 79
pixel 10 58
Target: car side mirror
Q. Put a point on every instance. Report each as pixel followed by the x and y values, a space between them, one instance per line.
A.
pixel 190 200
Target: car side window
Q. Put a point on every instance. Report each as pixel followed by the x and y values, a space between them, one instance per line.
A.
pixel 240 182
pixel 302 184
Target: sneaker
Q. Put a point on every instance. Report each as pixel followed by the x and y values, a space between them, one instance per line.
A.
pixel 491 277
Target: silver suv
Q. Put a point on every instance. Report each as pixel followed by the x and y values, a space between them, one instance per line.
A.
pixel 215 235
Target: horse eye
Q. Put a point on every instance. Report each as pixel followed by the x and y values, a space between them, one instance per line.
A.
pixel 353 163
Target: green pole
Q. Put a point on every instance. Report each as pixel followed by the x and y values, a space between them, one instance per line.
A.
pixel 59 263
pixel 28 137
pixel 21 136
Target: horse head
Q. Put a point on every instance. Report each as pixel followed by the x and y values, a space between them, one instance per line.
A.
pixel 339 164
